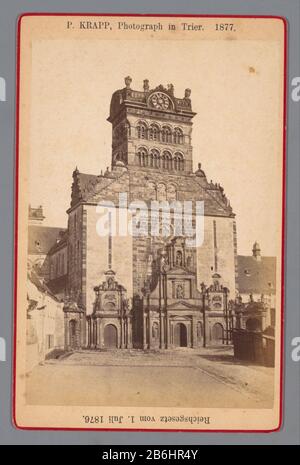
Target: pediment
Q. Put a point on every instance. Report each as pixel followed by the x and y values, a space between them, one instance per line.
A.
pixel 181 304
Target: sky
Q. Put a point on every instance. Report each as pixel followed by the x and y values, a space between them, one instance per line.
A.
pixel 237 132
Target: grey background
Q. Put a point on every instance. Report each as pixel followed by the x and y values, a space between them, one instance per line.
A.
pixel 290 431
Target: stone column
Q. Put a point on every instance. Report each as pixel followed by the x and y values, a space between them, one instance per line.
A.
pixel 149 330
pixel 144 332
pixel 97 338
pixel 129 333
pixel 92 334
pixel 162 331
pixel 167 331
pixel 189 329
pixel 100 334
pixel 81 336
pixel 82 330
pixel 66 323
pixel 194 332
pixel 88 332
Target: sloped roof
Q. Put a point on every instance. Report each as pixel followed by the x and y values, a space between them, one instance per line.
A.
pixel 86 186
pixel 39 284
pixel 60 242
pixel 42 238
pixel 58 284
pixel 256 276
pixel 93 188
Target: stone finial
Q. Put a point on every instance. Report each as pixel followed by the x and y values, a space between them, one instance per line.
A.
pixel 128 81
pixel 187 93
pixel 146 85
pixel 171 89
pixel 256 251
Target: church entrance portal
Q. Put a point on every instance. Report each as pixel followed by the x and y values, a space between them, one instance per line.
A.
pixel 217 334
pixel 110 337
pixel 180 335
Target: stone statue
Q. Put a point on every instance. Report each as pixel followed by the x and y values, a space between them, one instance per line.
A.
pixel 179 292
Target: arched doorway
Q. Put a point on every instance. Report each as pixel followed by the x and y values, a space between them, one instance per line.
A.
pixel 73 334
pixel 110 337
pixel 217 333
pixel 180 335
pixel 253 324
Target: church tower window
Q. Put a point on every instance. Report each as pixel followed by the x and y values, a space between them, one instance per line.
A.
pixel 143 157
pixel 166 134
pixel 161 192
pixel 169 160
pixel 151 190
pixel 163 161
pixel 171 191
pixel 178 162
pixel 141 131
pixel 154 132
pixel 155 119
pixel 154 158
pixel 178 136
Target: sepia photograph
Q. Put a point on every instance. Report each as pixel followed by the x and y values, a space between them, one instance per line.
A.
pixel 150 220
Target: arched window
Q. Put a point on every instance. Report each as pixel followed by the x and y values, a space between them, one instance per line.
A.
pixel 141 131
pixel 151 160
pixel 168 160
pixel 178 136
pixel 151 190
pixel 154 132
pixel 154 158
pixel 178 162
pixel 166 134
pixel 143 157
pixel 161 192
pixel 171 192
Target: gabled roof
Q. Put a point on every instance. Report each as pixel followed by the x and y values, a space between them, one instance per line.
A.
pixel 179 271
pixel 42 238
pixel 256 276
pixel 94 188
pixel 91 187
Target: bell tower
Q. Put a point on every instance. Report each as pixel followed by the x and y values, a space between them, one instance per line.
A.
pixel 152 129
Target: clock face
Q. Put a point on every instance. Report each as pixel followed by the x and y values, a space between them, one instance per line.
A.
pixel 160 101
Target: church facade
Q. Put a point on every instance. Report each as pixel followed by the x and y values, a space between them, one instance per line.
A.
pixel 145 291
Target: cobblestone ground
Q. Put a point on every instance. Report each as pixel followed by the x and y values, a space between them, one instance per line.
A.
pixel 183 378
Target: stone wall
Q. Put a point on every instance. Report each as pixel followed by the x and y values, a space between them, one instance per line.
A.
pixel 217 253
pixel 97 257
pixel 45 326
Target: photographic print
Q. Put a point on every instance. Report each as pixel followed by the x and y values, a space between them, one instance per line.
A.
pixel 149 222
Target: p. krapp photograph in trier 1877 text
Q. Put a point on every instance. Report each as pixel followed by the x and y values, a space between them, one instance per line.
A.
pixel 150 172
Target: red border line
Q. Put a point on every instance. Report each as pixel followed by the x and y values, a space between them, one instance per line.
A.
pixel 16 221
